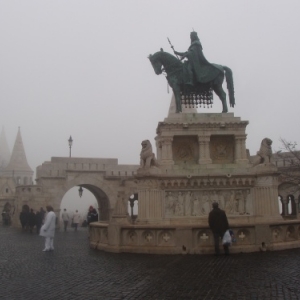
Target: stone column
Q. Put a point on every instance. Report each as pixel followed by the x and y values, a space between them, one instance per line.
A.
pixel 297 207
pixel 266 198
pixel 120 213
pixel 285 209
pixel 150 204
pixel 158 148
pixel 204 154
pixel 240 149
pixel 166 151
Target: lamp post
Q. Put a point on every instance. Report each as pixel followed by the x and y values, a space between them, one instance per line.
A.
pixel 80 191
pixel 70 140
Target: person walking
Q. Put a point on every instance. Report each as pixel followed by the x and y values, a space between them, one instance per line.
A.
pixel 76 220
pixel 42 214
pixel 24 218
pixel 65 218
pixel 31 220
pixel 48 229
pixel 39 220
pixel 218 224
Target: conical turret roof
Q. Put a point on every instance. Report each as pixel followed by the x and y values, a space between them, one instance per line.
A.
pixel 18 161
pixel 4 151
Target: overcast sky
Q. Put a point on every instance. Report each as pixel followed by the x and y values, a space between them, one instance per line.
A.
pixel 80 68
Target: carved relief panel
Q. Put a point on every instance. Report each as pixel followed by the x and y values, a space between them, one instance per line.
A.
pixel 185 149
pixel 199 202
pixel 222 149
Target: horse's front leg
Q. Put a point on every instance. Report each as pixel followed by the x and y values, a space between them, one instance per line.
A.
pixel 178 100
pixel 222 95
pixel 173 82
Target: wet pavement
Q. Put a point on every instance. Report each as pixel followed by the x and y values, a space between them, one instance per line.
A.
pixel 74 271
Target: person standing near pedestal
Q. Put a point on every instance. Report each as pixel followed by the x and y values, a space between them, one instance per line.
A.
pixel 218 224
pixel 48 229
pixel 65 218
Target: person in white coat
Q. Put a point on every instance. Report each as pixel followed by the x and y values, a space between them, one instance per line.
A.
pixel 65 218
pixel 76 220
pixel 48 229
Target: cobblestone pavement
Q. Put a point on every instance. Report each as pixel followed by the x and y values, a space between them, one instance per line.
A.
pixel 74 271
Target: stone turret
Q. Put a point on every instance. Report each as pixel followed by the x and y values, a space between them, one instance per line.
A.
pixel 4 151
pixel 18 167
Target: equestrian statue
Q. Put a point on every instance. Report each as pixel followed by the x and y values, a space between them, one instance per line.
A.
pixel 194 79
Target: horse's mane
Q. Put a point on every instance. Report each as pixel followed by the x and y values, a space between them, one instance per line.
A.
pixel 168 58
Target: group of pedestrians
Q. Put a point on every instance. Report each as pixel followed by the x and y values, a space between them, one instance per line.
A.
pixel 92 216
pixel 30 219
pixel 75 219
pixel 45 223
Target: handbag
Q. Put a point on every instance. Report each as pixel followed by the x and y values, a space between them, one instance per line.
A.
pixel 227 240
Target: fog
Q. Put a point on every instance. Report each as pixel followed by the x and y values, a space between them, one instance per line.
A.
pixel 80 68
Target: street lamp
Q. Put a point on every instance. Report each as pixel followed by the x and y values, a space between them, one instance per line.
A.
pixel 80 191
pixel 70 140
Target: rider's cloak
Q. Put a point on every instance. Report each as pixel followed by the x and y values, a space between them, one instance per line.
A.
pixel 203 70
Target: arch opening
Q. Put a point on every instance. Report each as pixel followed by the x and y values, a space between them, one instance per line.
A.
pixel 91 196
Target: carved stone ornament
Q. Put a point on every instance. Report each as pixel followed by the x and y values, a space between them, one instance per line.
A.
pixel 264 181
pixel 132 237
pixel 222 149
pixel 199 202
pixel 148 183
pixel 185 149
pixel 148 236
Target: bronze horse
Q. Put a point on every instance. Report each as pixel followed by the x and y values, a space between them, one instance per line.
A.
pixel 176 70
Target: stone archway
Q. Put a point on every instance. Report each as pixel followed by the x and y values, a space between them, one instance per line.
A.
pixel 104 193
pixel 289 195
pixel 102 200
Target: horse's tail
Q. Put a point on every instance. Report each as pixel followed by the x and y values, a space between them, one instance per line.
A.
pixel 229 81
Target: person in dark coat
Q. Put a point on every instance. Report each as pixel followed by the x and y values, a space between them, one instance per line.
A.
pixel 218 224
pixel 92 215
pixel 39 219
pixel 31 220
pixel 24 218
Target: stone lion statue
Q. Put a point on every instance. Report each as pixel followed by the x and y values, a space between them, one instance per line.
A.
pixel 147 156
pixel 265 152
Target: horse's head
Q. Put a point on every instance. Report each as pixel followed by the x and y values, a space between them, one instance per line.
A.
pixel 156 62
pixel 164 61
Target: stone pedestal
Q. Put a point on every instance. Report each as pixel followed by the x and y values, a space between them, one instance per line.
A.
pixel 221 139
pixel 202 158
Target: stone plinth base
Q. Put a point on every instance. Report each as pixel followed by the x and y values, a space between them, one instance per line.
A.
pixel 181 239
